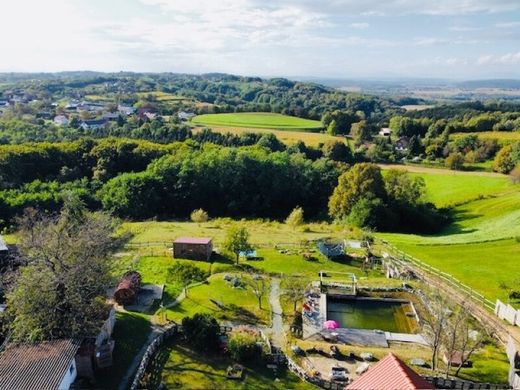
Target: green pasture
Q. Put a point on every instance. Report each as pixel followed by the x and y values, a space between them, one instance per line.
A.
pixel 447 188
pixel 257 120
pixel 479 248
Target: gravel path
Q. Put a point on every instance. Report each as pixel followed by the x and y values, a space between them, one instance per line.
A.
pixel 277 332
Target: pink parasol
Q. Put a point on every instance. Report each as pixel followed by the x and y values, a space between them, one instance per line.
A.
pixel 331 324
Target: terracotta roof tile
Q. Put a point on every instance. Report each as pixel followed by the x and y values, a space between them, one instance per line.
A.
pixel 390 373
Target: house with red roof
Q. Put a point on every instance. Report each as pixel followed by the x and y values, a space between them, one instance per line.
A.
pixel 194 248
pixel 390 373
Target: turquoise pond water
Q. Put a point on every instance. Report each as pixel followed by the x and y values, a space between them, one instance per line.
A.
pixel 384 315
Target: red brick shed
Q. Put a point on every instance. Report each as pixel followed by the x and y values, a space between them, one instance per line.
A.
pixel 194 248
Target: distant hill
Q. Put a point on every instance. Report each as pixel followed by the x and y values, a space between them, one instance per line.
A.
pixel 492 83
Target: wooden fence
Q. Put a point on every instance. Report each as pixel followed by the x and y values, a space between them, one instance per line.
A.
pixel 150 354
pixel 445 277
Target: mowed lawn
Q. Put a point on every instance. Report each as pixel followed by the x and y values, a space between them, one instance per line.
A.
pixel 479 248
pixel 258 120
pixel 288 137
pixel 225 302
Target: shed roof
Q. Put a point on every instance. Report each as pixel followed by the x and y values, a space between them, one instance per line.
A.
pixel 36 366
pixel 388 374
pixel 193 240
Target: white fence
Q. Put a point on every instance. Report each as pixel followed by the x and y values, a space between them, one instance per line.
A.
pixel 507 312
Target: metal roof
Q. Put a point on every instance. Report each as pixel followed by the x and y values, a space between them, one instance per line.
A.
pixel 193 240
pixel 388 374
pixel 36 366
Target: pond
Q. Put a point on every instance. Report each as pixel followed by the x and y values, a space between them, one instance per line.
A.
pixel 369 313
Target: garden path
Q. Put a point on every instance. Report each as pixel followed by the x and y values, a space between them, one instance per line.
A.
pixel 277 331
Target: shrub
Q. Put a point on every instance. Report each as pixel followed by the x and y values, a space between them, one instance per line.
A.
pixel 199 216
pixel 243 346
pixel 202 332
pixel 455 161
pixel 295 218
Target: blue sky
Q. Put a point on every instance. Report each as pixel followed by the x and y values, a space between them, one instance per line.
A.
pixel 459 39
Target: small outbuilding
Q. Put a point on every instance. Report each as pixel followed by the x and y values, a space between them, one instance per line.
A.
pixel 128 288
pixel 193 248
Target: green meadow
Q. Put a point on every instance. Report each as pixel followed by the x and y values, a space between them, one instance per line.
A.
pixel 480 247
pixel 257 120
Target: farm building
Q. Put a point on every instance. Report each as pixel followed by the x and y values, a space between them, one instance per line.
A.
pixel 48 365
pixel 385 132
pixel 128 288
pixel 194 248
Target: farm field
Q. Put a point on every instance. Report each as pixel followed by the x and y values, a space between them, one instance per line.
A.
pixel 501 136
pixel 257 120
pixel 286 136
pixel 163 96
pixel 479 248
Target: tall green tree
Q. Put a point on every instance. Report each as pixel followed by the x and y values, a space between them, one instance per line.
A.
pixel 237 240
pixel 60 293
pixel 361 181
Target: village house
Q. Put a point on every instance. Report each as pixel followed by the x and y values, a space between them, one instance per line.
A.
pixel 93 124
pixel 390 373
pixel 195 248
pixel 110 116
pixel 61 120
pixel 47 365
pixel 402 143
pixel 385 132
pixel 185 116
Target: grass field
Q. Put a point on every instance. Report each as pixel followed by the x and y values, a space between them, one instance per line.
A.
pixel 501 136
pixel 240 304
pixel 257 120
pixel 163 96
pixel 179 367
pixel 447 188
pixel 479 248
pixel 286 136
pixel 261 232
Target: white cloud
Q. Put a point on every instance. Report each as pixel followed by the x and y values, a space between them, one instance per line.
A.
pixel 360 26
pixel 504 59
pixel 508 24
